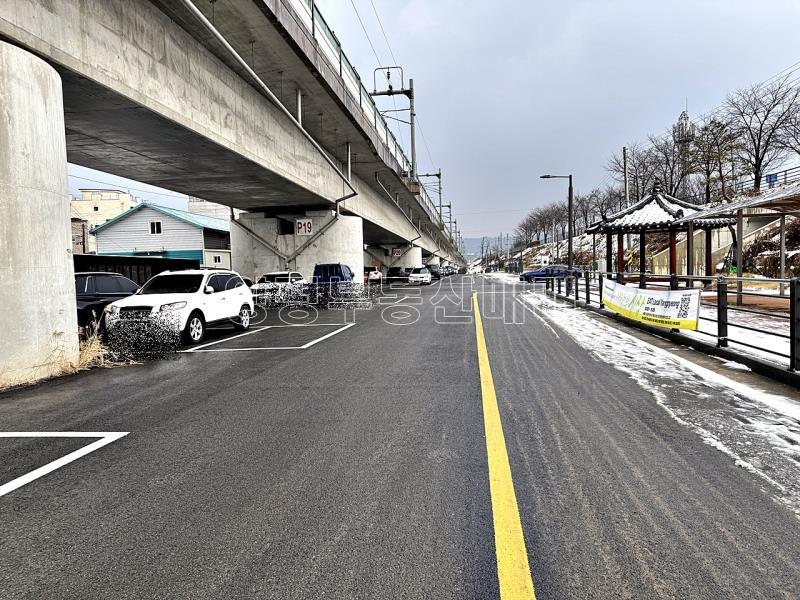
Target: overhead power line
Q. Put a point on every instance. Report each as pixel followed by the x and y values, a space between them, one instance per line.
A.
pixel 117 186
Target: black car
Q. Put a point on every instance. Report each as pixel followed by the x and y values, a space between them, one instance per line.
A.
pixel 94 291
pixel 436 273
pixel 396 275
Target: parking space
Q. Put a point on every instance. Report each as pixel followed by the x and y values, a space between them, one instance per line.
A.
pixel 43 452
pixel 274 338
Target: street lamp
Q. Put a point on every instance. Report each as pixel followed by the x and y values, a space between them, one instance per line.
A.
pixel 569 215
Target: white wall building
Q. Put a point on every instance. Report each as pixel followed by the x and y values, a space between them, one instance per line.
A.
pixel 153 230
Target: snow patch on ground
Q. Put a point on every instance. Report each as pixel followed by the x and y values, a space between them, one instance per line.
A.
pixel 759 431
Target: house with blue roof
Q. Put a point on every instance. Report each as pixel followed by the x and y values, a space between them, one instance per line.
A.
pixel 153 230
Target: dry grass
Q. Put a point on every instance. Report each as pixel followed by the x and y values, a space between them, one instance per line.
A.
pixel 93 353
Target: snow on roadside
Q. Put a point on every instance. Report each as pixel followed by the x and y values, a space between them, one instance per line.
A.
pixel 759 431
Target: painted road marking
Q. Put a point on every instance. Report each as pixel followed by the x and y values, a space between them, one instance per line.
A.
pixel 204 348
pixel 233 337
pixel 106 437
pixel 513 569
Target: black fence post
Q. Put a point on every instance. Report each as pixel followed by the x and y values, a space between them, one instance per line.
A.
pixel 600 284
pixel 588 297
pixel 673 281
pixel 559 286
pixel 722 312
pixel 794 326
pixel 642 280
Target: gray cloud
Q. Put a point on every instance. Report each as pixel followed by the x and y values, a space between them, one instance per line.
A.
pixel 508 90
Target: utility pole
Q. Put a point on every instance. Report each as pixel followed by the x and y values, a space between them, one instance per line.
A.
pixel 625 185
pixel 438 175
pixel 408 93
pixel 569 226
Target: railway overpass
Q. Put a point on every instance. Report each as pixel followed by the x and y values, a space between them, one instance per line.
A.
pixel 248 103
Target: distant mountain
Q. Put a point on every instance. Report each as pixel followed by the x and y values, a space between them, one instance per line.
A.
pixel 472 247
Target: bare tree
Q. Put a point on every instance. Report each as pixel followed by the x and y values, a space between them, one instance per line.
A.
pixel 761 116
pixel 642 170
pixel 712 155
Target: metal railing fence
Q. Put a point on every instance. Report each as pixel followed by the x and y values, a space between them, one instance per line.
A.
pixel 765 324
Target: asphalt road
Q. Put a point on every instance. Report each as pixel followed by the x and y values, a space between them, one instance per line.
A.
pixel 356 467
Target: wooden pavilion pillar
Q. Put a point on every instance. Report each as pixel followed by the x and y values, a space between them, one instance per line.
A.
pixel 673 258
pixel 709 266
pixel 620 258
pixel 690 254
pixel 642 260
pixel 609 245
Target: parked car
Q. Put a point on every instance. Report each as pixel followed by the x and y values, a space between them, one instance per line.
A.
pixel 557 271
pixel 396 275
pixel 332 273
pixel 420 276
pixel 436 272
pixel 332 282
pixel 189 300
pixel 96 290
pixel 372 275
pixel 278 286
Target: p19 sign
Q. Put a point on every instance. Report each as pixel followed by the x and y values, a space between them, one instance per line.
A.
pixel 303 227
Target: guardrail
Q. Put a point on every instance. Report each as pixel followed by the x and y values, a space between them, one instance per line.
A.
pixel 764 324
pixel 331 48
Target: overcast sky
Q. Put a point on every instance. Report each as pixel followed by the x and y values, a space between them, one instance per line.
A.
pixel 508 90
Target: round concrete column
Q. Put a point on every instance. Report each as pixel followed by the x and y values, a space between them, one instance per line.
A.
pixel 413 258
pixel 38 322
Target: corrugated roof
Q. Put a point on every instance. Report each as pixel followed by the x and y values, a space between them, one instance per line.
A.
pixel 784 198
pixel 655 211
pixel 201 221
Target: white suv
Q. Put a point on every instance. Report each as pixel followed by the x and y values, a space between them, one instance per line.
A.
pixel 189 300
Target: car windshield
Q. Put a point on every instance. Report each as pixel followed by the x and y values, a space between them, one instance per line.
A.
pixel 173 284
pixel 274 278
pixel 419 270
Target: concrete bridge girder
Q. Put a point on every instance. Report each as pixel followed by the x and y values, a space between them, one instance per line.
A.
pixel 146 99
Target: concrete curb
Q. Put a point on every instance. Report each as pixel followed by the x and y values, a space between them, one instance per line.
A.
pixel 766 368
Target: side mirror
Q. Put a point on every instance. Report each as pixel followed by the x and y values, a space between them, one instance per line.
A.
pixel 209 289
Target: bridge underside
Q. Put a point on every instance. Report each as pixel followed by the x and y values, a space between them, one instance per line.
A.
pixel 107 132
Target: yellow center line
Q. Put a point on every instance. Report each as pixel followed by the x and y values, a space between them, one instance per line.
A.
pixel 513 570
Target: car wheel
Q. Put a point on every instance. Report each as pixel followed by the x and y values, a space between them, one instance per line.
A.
pixel 242 322
pixel 195 329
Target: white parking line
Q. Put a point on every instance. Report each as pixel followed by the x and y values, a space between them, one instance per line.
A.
pixel 325 337
pixel 106 437
pixel 251 349
pixel 233 337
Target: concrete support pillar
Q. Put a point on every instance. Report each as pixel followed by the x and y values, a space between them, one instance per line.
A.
pixel 255 240
pixel 412 258
pixel 38 319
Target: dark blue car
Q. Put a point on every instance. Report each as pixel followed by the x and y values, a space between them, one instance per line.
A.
pixel 331 283
pixel 558 271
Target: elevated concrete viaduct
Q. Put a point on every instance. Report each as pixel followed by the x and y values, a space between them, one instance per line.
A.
pixel 150 94
pixel 234 101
